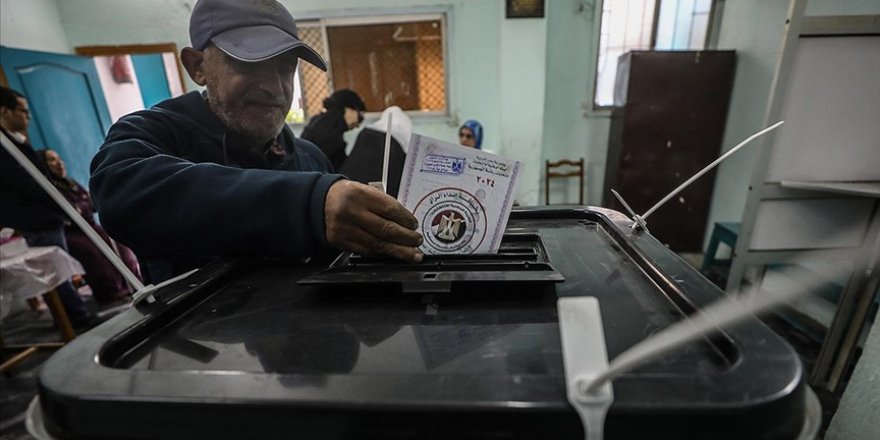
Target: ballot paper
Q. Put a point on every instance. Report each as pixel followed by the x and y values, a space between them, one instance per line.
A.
pixel 460 196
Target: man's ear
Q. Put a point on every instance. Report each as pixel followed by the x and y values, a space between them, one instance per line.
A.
pixel 194 63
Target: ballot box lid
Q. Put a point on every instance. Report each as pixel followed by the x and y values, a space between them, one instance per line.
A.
pixel 243 349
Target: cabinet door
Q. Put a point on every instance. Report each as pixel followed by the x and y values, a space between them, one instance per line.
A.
pixel 668 128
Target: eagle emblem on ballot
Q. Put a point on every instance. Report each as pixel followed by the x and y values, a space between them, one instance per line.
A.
pixel 449 228
pixel 458 166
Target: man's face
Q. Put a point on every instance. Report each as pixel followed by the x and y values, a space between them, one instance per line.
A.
pixel 16 119
pixel 250 98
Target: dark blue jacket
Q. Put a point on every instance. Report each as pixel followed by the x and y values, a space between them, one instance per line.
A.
pixel 24 205
pixel 166 185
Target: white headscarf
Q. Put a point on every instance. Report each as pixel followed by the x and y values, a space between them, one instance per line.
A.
pixel 401 126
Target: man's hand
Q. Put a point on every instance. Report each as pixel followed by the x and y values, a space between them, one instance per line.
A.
pixel 363 219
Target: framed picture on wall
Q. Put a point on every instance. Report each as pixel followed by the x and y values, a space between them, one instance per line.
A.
pixel 525 8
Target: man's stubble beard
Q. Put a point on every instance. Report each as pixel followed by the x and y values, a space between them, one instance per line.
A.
pixel 260 131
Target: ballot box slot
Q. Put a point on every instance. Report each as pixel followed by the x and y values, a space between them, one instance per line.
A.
pixel 521 258
pixel 456 266
pixel 517 255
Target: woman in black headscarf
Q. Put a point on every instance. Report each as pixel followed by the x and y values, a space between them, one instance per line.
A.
pixel 343 111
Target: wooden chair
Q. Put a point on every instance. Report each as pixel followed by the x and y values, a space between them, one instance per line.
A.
pixel 550 173
pixel 24 351
pixel 13 273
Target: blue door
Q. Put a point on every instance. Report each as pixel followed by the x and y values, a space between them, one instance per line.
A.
pixel 150 71
pixel 68 110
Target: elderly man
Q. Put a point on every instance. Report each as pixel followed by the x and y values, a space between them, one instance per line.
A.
pixel 218 173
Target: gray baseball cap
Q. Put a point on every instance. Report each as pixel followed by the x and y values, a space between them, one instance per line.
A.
pixel 248 30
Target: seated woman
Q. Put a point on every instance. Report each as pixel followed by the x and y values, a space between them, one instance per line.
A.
pixel 106 282
pixel 470 134
pixel 365 162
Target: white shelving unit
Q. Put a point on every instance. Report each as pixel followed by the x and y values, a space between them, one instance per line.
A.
pixel 815 188
pixel 865 189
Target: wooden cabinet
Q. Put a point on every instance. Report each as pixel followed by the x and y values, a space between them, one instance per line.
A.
pixel 667 124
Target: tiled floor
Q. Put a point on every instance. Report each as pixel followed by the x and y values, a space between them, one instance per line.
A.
pixel 18 387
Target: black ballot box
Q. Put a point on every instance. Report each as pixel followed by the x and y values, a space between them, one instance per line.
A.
pixel 453 347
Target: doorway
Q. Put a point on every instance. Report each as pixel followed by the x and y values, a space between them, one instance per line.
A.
pixel 135 77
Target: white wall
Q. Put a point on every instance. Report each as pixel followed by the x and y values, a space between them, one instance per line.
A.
pixel 32 24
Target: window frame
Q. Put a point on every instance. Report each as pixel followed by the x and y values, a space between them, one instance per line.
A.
pixel 361 16
pixel 710 42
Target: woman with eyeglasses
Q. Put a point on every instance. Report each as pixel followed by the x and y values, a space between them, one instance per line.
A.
pixel 343 111
pixel 470 134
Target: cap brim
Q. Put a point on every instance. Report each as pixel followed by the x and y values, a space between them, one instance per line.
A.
pixel 259 43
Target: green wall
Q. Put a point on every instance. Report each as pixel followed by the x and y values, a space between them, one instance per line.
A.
pixel 32 25
pixel 497 72
pixel 522 80
pixel 529 81
pixel 571 128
